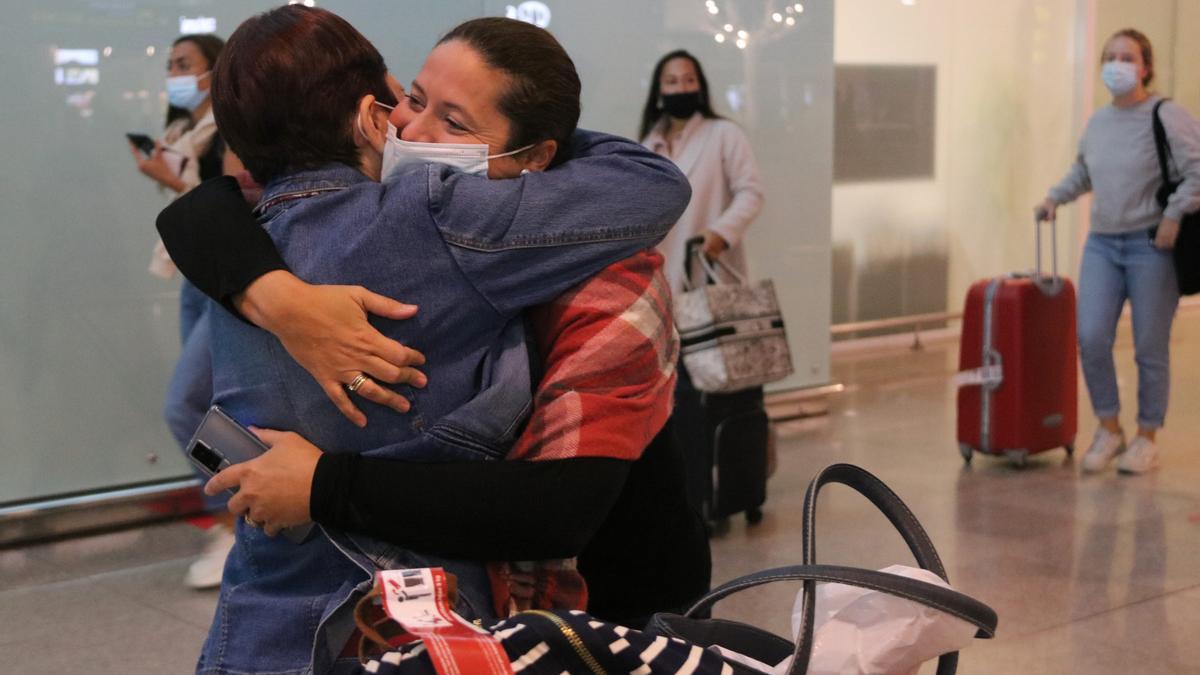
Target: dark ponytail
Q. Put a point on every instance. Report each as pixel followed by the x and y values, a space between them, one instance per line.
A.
pixel 652 111
pixel 542 102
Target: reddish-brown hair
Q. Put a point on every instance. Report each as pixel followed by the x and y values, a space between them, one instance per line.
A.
pixel 286 89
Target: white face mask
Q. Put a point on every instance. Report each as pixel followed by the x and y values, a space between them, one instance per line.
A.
pixel 1121 77
pixel 183 91
pixel 466 157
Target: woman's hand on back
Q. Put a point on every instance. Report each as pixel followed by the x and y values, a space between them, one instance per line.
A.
pixel 325 329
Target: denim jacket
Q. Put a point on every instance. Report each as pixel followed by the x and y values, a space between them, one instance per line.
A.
pixel 473 253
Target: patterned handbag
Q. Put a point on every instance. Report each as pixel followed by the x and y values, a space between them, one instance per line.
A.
pixel 731 333
pixel 407 628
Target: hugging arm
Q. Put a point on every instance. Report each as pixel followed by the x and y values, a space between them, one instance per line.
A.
pixel 217 243
pixel 468 509
pixel 525 241
pixel 619 196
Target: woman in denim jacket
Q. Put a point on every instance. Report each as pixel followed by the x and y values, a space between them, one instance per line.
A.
pixel 297 98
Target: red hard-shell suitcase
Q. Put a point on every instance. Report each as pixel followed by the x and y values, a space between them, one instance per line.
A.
pixel 1017 366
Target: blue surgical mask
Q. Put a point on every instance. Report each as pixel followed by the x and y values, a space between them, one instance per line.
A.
pixel 466 157
pixel 183 91
pixel 1121 77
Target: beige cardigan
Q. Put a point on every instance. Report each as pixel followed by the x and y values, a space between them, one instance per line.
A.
pixel 188 142
pixel 727 193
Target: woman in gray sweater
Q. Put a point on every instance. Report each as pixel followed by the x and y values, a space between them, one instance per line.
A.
pixel 1125 256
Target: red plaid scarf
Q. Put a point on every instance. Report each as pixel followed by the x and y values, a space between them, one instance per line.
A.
pixel 610 349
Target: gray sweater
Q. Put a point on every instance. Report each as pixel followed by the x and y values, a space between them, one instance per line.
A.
pixel 1117 162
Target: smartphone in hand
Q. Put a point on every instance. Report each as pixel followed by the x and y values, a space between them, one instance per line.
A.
pixel 141 142
pixel 220 442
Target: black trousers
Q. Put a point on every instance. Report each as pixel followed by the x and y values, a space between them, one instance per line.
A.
pixel 742 465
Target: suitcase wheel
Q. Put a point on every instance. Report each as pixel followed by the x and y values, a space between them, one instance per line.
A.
pixel 754 516
pixel 1017 458
pixel 1070 450
pixel 966 451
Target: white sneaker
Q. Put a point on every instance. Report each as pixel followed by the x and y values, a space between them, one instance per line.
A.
pixel 1141 457
pixel 207 570
pixel 1105 446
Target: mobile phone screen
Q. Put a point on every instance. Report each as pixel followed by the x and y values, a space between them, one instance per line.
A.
pixel 142 142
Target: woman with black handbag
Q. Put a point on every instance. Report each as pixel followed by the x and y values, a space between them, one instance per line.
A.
pixel 1128 252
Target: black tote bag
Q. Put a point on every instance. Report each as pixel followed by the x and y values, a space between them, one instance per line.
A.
pixel 1187 245
pixel 770 648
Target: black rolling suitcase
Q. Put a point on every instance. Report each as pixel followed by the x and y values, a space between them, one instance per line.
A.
pixel 724 440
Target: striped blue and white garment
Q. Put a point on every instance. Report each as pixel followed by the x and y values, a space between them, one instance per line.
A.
pixel 553 642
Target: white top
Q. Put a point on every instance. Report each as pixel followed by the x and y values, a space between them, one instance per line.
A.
pixel 190 141
pixel 727 193
pixel 1118 164
pixel 183 147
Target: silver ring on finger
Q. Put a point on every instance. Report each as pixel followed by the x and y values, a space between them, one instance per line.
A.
pixel 252 522
pixel 357 383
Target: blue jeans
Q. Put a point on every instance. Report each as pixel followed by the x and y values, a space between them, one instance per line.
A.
pixel 1117 267
pixel 190 391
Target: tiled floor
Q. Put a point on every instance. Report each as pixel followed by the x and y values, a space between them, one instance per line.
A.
pixel 1097 574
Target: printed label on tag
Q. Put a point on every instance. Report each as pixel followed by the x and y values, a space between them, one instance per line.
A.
pixel 417 600
pixel 993 374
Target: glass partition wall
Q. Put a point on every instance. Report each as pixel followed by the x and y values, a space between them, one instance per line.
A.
pixel 88 338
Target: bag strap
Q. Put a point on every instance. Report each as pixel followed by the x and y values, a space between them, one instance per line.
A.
pixel 695 251
pixel 1161 145
pixel 866 484
pixel 896 511
pixel 931 595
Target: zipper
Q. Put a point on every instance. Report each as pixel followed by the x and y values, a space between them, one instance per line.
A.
pixel 573 638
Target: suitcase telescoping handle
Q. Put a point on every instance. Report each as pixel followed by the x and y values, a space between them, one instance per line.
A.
pixel 1037 228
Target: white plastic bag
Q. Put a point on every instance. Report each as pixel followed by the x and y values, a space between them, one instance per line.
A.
pixel 858 631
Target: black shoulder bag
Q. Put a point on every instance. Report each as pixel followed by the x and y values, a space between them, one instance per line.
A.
pixel 1187 245
pixel 770 648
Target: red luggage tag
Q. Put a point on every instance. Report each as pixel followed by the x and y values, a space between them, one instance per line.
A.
pixel 417 600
